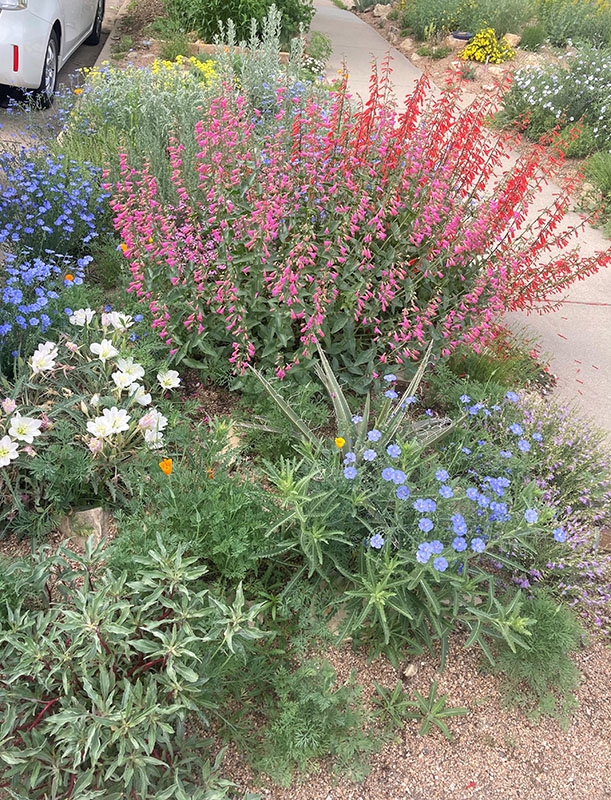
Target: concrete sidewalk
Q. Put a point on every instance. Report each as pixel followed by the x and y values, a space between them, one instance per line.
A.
pixel 576 336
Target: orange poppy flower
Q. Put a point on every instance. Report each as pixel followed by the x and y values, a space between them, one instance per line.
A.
pixel 166 466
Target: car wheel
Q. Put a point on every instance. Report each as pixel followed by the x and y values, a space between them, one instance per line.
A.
pixel 96 32
pixel 43 96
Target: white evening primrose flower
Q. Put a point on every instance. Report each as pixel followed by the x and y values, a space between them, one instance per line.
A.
pixel 8 405
pixel 24 428
pixel 140 395
pixel 127 365
pixel 154 439
pixel 122 380
pixel 153 420
pixel 116 320
pixel 82 316
pixel 44 357
pixel 8 451
pixel 103 350
pixel 113 420
pixel 168 379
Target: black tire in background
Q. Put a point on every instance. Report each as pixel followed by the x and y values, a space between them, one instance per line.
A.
pixel 43 96
pixel 96 32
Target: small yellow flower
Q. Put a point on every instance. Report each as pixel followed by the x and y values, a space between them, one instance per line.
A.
pixel 78 91
pixel 210 473
pixel 68 277
pixel 123 247
pixel 339 442
pixel 166 466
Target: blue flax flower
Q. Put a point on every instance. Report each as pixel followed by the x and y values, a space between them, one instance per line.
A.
pixel 478 545
pixel 440 564
pixel 393 450
pixel 350 473
pixel 377 541
pixel 425 524
pixel 402 493
pixel 531 515
pixel 559 534
pixel 446 491
pixel 369 455
pixel 442 475
pixel 459 544
pixel 374 435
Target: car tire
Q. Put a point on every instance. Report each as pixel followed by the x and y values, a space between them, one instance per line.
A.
pixel 96 32
pixel 43 96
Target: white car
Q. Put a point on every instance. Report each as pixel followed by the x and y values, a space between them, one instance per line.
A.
pixel 38 36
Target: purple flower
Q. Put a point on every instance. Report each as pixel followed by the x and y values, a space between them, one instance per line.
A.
pixel 466 451
pixel 506 454
pixel 512 397
pixel 350 473
pixel 374 435
pixel 464 398
pixel 442 475
pixel 446 491
pixel 398 476
pixel 393 450
pixel 531 515
pixel 357 418
pixel 429 412
pixel 407 401
pixel 423 553
pixel 388 474
pixel 402 493
pixel 559 535
pixel 440 564
pixel 377 541
pixel 425 524
pixel 459 544
pixel 369 455
pixel 459 526
pixel 436 546
pixel 472 493
pixel 517 429
pixel 390 377
pixel 349 458
pixel 391 394
pixel 478 545
pixel 524 445
pixel 425 505
pixel 537 437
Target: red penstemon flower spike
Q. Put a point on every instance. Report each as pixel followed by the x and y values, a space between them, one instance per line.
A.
pixel 373 227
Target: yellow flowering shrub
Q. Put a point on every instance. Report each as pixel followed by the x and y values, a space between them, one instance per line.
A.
pixel 487 49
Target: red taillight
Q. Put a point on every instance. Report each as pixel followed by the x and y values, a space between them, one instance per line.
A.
pixel 15 58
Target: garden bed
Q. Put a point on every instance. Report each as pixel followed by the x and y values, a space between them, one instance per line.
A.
pixel 250 575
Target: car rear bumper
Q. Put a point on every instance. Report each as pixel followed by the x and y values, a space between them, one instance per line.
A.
pixel 21 61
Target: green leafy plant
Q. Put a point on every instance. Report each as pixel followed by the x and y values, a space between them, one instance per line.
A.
pixel 97 687
pixel 209 18
pixel 598 171
pixel 541 677
pixel 431 710
pixel 312 718
pixel 211 504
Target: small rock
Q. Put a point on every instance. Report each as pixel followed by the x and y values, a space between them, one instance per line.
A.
pixel 488 87
pixel 410 670
pixel 495 69
pixel 381 10
pixel 513 40
pixel 349 4
pixel 454 44
pixel 415 57
pixel 407 44
pixel 83 524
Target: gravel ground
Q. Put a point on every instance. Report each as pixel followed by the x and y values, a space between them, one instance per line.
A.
pixel 497 754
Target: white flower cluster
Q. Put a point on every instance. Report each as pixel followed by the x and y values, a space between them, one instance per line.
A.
pixel 21 429
pixel 126 378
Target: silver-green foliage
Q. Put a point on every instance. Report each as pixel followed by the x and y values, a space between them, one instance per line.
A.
pixel 99 680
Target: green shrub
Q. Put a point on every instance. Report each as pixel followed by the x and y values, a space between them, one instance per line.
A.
pixel 96 688
pixel 542 677
pixel 206 506
pixel 533 37
pixel 586 21
pixel 209 18
pixel 598 172
pixel 577 141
